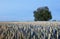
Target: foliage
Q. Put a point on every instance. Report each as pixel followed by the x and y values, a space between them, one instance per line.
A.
pixel 42 14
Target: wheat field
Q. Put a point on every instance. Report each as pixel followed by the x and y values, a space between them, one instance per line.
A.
pixel 30 30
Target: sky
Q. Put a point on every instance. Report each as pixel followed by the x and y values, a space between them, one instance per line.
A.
pixel 22 10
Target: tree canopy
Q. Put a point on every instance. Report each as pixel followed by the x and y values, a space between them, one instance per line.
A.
pixel 42 14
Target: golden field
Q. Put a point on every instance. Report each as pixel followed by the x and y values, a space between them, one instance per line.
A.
pixel 30 30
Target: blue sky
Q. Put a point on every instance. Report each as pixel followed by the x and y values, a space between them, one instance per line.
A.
pixel 22 10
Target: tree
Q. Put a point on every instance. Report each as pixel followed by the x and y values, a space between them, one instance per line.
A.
pixel 42 14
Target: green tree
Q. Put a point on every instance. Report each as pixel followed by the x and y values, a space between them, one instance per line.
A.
pixel 42 14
